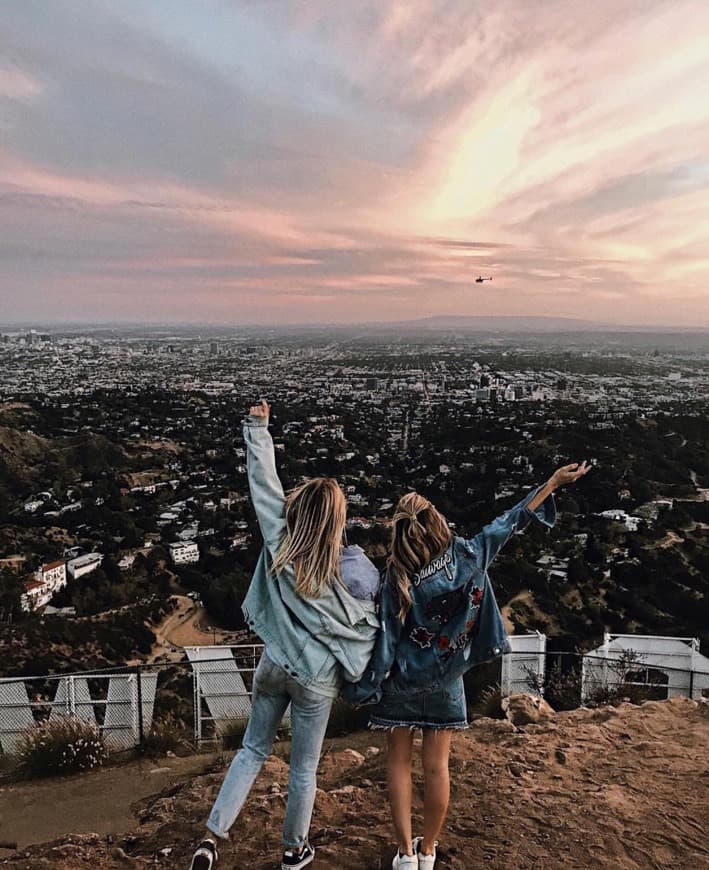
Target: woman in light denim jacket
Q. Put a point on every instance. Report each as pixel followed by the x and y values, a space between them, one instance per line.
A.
pixel 438 618
pixel 312 602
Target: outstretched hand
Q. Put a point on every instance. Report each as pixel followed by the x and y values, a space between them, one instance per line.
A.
pixel 569 474
pixel 263 409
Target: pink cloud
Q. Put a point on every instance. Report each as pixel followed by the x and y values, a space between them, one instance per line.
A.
pixel 561 145
pixel 16 84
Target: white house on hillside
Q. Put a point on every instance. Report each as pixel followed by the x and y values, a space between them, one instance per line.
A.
pixel 620 516
pixel 184 553
pixel 47 580
pixel 36 595
pixel 53 574
pixel 84 564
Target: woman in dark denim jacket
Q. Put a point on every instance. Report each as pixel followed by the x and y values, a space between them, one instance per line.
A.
pixel 438 618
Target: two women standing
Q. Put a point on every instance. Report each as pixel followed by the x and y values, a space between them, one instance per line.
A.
pixel 312 602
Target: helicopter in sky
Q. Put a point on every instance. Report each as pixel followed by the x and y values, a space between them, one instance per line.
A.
pixel 480 279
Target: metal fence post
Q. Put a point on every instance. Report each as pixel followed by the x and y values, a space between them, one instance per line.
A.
pixel 71 697
pixel 197 706
pixel 141 736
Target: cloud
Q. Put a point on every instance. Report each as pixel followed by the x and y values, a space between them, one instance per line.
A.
pixel 16 84
pixel 234 156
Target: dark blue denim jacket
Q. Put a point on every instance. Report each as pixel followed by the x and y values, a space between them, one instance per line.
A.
pixel 454 622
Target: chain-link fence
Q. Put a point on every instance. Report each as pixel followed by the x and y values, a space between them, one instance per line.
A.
pixel 204 698
pixel 638 666
pixel 119 704
pixel 208 697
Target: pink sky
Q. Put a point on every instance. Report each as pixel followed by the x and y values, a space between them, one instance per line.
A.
pixel 281 162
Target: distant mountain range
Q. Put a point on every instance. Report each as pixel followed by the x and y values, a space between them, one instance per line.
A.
pixel 455 322
pixel 472 323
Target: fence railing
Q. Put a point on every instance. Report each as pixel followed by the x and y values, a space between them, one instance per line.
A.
pixel 210 694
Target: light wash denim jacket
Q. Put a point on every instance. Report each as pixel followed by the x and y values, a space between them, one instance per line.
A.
pixel 454 622
pixel 318 641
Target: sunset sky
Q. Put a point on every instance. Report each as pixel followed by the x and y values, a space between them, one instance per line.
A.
pixel 281 161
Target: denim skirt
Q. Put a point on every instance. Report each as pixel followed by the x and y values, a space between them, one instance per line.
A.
pixel 444 708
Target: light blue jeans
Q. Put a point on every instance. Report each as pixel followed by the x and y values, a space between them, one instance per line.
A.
pixel 273 690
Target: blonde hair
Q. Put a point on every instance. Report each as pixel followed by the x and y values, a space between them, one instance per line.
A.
pixel 316 513
pixel 419 534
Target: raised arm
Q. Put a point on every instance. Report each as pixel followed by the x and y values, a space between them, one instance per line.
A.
pixel 266 489
pixel 561 477
pixel 538 505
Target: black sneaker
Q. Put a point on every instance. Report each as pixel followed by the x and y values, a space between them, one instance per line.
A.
pixel 294 859
pixel 206 856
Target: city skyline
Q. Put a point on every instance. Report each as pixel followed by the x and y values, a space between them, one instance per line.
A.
pixel 312 162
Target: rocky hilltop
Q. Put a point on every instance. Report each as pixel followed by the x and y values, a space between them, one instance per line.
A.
pixel 615 787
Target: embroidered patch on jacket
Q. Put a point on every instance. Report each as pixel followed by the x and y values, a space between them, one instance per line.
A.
pixel 459 643
pixel 422 636
pixel 444 642
pixel 445 607
pixel 441 562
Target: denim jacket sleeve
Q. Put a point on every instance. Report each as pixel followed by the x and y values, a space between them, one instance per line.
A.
pixel 488 543
pixel 368 689
pixel 264 484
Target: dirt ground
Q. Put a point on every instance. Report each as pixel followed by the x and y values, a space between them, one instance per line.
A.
pixel 186 625
pixel 99 801
pixel 526 599
pixel 624 788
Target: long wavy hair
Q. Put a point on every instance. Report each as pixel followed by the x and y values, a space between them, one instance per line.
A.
pixel 316 513
pixel 419 534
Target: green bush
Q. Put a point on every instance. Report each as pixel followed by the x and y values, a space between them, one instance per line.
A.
pixel 62 744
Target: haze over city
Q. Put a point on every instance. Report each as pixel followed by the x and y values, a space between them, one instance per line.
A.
pixel 285 162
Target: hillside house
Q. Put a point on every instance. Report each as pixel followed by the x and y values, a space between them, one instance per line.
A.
pixel 184 553
pixel 36 595
pixel 84 564
pixel 618 515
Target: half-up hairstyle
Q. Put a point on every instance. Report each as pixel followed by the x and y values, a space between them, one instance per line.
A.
pixel 316 513
pixel 419 534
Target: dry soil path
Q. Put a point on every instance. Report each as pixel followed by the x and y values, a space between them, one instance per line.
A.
pixel 187 625
pixel 100 801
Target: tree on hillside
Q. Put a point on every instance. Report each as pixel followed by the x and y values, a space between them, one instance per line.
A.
pixel 223 597
pixel 11 588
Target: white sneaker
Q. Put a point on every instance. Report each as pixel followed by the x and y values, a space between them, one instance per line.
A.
pixel 426 862
pixel 406 862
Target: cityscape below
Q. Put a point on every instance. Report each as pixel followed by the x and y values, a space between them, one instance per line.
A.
pixel 123 480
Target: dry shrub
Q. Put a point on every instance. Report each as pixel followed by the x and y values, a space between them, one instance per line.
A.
pixel 231 734
pixel 488 703
pixel 166 735
pixel 61 744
